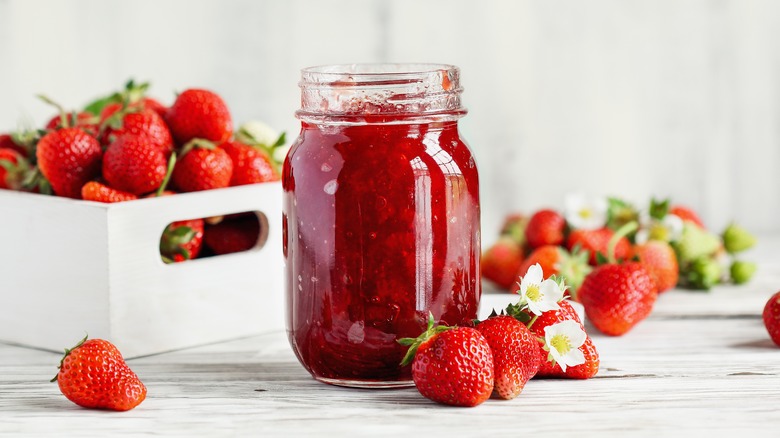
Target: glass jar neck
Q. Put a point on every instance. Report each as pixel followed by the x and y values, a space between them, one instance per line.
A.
pixel 380 94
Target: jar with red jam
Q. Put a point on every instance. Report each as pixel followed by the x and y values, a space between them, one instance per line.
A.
pixel 381 218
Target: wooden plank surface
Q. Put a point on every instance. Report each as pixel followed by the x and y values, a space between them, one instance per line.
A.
pixel 702 364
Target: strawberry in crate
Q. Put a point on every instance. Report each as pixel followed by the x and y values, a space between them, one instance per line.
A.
pixel 127 146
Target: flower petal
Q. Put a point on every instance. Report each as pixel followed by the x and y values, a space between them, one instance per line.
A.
pixel 534 275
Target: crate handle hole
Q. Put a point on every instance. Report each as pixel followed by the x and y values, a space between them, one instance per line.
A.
pixel 193 239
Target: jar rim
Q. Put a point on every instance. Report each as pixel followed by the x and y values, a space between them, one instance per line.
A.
pixel 386 92
pixel 369 71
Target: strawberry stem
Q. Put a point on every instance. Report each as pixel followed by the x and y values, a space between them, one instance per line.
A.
pixel 168 173
pixel 622 232
pixel 531 323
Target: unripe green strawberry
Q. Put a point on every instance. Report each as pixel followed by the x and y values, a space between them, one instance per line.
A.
pixel 703 273
pixel 737 239
pixel 742 272
pixel 695 243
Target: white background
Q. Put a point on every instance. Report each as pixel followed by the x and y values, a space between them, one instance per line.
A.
pixel 631 98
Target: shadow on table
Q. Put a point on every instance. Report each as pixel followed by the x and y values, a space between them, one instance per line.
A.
pixel 760 343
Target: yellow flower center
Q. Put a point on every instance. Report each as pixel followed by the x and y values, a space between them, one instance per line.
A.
pixel 561 343
pixel 586 213
pixel 533 293
pixel 658 232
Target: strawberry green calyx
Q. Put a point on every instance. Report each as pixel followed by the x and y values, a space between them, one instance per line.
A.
pixel 737 239
pixel 34 180
pixel 741 271
pixel 60 109
pixel 573 267
pixel 414 343
pixel 67 353
pixel 619 213
pixel 658 209
pixel 173 240
pixel 622 232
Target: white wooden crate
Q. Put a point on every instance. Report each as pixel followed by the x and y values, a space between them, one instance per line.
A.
pixel 68 267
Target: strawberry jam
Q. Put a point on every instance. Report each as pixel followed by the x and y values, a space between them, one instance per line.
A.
pixel 381 218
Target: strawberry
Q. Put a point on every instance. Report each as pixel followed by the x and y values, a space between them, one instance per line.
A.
pixel 659 259
pixel 182 240
pixel 514 227
pixel 515 353
pixel 556 260
pixel 453 366
pixel 250 164
pixel 596 241
pixel 68 158
pixel 134 120
pixel 7 142
pixel 741 271
pixel 84 120
pixel 546 368
pixel 13 169
pixel 199 114
pixel 134 164
pixel 95 191
pixel 93 374
pixel 737 239
pixel 617 297
pixel 771 316
pixel 501 261
pixel 202 166
pixel 686 214
pixel 233 235
pixel 545 228
pixel 154 105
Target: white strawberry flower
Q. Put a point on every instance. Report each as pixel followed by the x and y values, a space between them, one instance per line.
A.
pixel 563 342
pixel 585 213
pixel 540 295
pixel 668 229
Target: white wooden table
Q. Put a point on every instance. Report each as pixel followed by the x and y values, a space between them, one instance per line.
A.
pixel 701 365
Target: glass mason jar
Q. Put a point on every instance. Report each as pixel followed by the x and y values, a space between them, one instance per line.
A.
pixel 381 218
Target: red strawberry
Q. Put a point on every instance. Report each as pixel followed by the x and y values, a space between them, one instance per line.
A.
pixel 93 374
pixel 69 158
pixel 95 191
pixel 514 226
pixel 199 114
pixel 546 368
pixel 515 353
pixel 771 318
pixel 135 120
pixel 134 164
pixel 453 366
pixel 597 241
pixel 183 239
pixel 686 214
pixel 661 263
pixel 13 169
pixel 617 297
pixel 250 164
pixel 155 105
pixel 501 261
pixel 233 235
pixel 84 120
pixel 545 228
pixel 202 166
pixel 7 142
